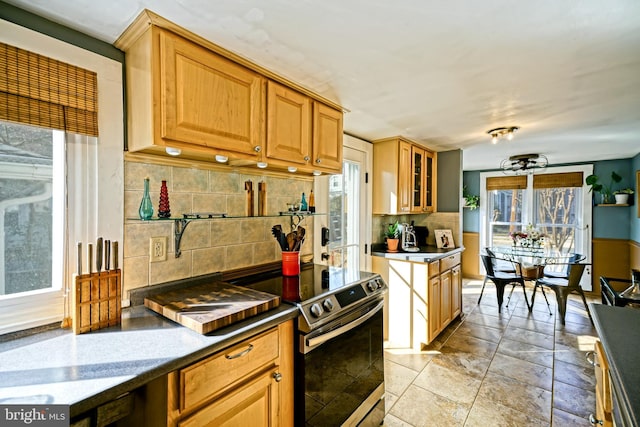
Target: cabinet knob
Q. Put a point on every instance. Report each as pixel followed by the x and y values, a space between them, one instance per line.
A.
pixel 590 356
pixel 307 158
pixel 257 148
pixel 318 160
pixel 277 376
pixel 594 421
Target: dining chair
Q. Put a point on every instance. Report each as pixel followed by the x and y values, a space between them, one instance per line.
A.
pixel 562 288
pixel 564 274
pixel 500 264
pixel 501 279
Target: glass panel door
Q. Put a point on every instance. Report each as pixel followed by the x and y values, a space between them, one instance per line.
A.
pixel 505 208
pixel 344 212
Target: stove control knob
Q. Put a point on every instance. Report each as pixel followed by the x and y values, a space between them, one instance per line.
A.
pixel 315 310
pixel 328 304
pixel 373 285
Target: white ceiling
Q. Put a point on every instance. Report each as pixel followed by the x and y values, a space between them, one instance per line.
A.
pixel 439 72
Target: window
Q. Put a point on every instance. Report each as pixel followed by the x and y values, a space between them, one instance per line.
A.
pixel 555 202
pixel 344 212
pixel 50 180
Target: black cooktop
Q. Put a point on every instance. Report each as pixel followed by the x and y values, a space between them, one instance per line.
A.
pixel 313 282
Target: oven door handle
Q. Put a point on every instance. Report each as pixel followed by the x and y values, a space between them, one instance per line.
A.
pixel 310 343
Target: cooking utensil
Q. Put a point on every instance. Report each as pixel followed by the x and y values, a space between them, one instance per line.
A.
pixel 262 198
pixel 291 241
pixel 99 255
pixel 115 255
pixel 300 233
pixel 276 230
pixel 248 186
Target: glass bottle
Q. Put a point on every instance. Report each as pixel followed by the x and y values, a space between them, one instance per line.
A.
pixel 146 207
pixel 303 203
pixel 312 202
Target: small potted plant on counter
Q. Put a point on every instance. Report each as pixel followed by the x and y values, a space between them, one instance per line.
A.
pixel 622 196
pixel 392 234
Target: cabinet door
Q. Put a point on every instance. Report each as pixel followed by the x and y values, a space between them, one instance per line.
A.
pixel 456 292
pixel 445 298
pixel 255 403
pixel 417 179
pixel 429 176
pixel 604 402
pixel 288 125
pixel 434 307
pixel 327 137
pixel 404 177
pixel 208 100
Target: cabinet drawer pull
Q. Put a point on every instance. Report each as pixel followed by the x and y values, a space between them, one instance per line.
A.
pixel 242 353
pixel 590 356
pixel 277 376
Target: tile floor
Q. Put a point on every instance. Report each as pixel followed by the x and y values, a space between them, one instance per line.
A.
pixel 510 369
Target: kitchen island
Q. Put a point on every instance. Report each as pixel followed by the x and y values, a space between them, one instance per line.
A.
pixel 619 331
pixel 425 293
pixel 89 370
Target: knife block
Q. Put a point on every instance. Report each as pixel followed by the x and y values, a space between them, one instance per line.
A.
pixel 97 302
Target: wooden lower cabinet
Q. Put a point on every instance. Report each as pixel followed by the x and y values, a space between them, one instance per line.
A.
pixel 604 404
pixel 248 383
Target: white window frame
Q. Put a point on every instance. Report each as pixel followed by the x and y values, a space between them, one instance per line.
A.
pixel 586 169
pixel 95 194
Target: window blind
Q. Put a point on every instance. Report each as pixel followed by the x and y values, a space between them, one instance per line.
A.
pixel 41 91
pixel 516 182
pixel 558 180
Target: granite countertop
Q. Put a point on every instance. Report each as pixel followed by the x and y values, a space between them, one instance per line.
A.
pixel 619 331
pixel 87 370
pixel 425 253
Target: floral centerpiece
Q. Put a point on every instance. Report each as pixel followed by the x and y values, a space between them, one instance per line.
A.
pixel 531 237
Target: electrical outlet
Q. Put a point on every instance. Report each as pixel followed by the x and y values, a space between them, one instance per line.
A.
pixel 158 249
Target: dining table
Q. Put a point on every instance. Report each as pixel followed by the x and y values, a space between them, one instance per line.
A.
pixel 531 262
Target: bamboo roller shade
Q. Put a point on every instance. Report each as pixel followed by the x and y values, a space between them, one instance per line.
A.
pixel 554 180
pixel 518 182
pixel 41 91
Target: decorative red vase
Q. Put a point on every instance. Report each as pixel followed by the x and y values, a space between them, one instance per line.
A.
pixel 163 210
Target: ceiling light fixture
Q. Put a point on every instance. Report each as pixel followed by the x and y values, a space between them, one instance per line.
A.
pixel 262 165
pixel 173 151
pixel 221 159
pixel 524 163
pixel 502 132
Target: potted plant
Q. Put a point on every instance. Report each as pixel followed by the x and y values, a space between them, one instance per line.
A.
pixel 472 202
pixel 622 196
pixel 602 188
pixel 392 234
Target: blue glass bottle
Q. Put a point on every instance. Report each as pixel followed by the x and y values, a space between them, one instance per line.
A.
pixel 146 207
pixel 303 204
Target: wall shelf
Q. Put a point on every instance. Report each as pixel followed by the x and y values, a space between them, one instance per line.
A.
pixel 180 224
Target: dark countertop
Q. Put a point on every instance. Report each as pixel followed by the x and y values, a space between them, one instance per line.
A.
pixel 425 254
pixel 619 331
pixel 87 370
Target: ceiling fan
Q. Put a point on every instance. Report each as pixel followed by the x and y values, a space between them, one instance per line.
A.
pixel 524 163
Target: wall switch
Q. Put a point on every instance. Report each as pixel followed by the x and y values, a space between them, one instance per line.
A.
pixel 158 249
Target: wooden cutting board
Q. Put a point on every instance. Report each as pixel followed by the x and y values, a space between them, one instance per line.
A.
pixel 207 307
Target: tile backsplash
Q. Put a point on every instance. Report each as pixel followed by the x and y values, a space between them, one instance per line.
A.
pixel 207 246
pixel 435 221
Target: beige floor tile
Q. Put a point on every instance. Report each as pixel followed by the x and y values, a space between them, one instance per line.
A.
pixel 564 419
pixel 528 352
pixel 460 387
pixel 397 377
pixel 466 363
pixel 531 337
pixel 485 333
pixel 391 421
pixel 472 345
pixel 534 401
pixel 487 413
pixel 420 408
pixel 411 359
pixel 575 375
pixel 523 371
pixel 571 354
pixel 574 400
pixel 532 325
pixel 389 400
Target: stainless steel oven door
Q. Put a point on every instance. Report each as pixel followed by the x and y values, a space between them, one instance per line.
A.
pixel 340 370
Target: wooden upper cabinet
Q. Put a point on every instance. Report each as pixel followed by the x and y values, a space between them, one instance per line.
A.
pixel 327 138
pixel 288 125
pixel 208 100
pixel 403 176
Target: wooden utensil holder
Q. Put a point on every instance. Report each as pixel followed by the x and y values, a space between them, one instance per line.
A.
pixel 97 301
